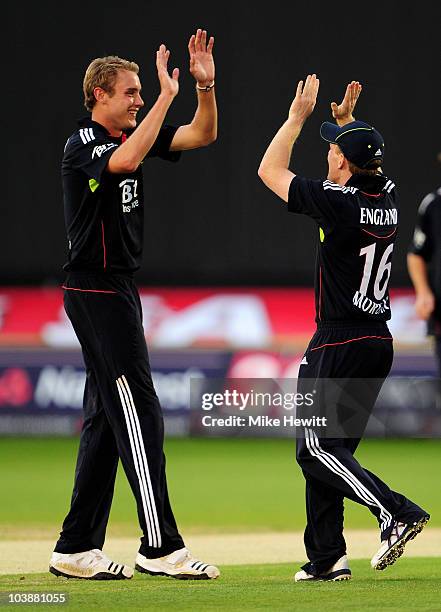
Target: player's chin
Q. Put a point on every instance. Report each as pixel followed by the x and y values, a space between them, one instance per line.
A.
pixel 131 121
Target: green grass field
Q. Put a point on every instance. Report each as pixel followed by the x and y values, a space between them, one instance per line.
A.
pixel 236 485
pixel 413 585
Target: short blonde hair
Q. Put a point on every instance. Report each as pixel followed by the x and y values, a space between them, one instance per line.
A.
pixel 102 72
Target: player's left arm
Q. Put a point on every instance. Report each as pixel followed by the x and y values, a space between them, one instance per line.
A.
pixel 203 128
pixel 274 167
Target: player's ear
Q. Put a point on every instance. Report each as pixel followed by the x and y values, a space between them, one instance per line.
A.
pixel 99 94
pixel 342 161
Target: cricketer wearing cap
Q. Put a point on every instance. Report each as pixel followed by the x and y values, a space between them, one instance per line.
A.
pixel 356 209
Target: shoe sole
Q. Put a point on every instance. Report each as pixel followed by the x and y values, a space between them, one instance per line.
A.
pixel 331 578
pixel 99 576
pixel 395 551
pixel 338 578
pixel 177 576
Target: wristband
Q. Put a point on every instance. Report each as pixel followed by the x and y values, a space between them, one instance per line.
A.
pixel 206 88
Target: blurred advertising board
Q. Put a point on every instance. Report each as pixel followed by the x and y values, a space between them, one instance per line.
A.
pixel 229 318
pixel 41 390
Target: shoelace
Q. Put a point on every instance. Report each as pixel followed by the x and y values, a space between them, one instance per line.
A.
pixel 87 559
pixel 187 557
pixel 395 533
pixel 98 555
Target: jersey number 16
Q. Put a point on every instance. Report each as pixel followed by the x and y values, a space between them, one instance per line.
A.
pixel 384 269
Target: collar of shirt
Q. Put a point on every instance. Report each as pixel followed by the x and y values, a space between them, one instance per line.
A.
pixel 368 184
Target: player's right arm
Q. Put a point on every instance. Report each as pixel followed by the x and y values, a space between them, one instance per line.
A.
pixel 420 253
pixel 274 167
pixel 130 154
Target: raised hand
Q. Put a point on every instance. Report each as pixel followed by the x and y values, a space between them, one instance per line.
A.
pixel 305 99
pixel 201 58
pixel 169 84
pixel 342 112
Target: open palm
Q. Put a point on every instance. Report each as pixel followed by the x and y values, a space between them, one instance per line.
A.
pixel 344 110
pixel 169 84
pixel 201 57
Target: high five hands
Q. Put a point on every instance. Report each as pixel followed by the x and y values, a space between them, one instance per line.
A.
pixel 306 97
pixel 201 63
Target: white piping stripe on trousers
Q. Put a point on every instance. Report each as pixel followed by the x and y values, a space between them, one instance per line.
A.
pixel 333 466
pixel 144 460
pixel 363 492
pixel 135 454
pixel 384 514
pixel 140 462
pixel 338 468
pixel 315 453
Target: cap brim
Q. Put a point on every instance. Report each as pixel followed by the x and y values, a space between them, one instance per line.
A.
pixel 329 131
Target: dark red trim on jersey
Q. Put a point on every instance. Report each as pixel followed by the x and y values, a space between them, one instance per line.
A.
pixel 123 137
pixel 371 195
pixel 86 290
pixel 104 245
pixel 351 340
pixel 375 235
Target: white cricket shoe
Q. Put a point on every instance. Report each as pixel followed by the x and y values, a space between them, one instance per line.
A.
pixel 392 548
pixel 339 571
pixel 89 565
pixel 178 564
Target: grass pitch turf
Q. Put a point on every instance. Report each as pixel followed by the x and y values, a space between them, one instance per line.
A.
pixel 225 486
pixel 411 584
pixel 215 485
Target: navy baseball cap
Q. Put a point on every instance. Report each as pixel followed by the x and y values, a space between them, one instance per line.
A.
pixel 359 141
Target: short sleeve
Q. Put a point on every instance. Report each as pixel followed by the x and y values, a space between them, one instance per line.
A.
pixel 422 243
pixel 90 156
pixel 320 200
pixel 161 146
